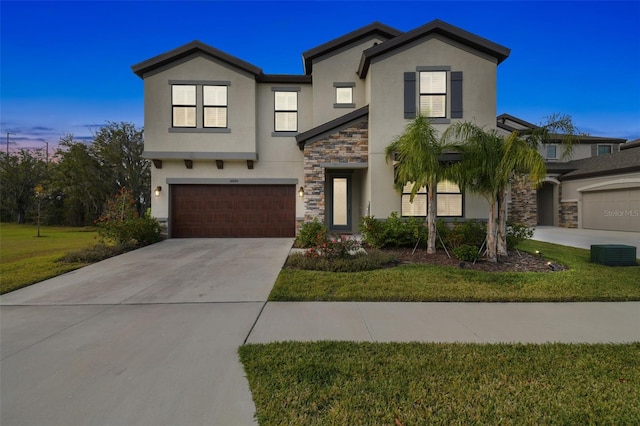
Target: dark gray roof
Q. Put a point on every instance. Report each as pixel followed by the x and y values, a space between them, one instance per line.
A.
pixel 368 31
pixel 434 27
pixel 331 126
pixel 603 165
pixel 631 144
pixel 188 49
pixel 501 122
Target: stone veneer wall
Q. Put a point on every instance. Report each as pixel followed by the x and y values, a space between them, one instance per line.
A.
pixel 350 145
pixel 568 212
pixel 524 204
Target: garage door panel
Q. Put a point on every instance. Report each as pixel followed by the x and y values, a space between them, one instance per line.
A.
pixel 233 211
pixel 616 210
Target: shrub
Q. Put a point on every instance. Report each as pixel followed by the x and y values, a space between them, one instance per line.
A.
pixel 395 231
pixel 95 254
pixel 466 252
pixel 458 234
pixel 373 231
pixel 339 247
pixel 355 263
pixel 516 233
pixel 310 234
pixel 120 222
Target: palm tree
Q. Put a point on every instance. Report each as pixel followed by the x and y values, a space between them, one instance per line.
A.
pixel 489 162
pixel 417 151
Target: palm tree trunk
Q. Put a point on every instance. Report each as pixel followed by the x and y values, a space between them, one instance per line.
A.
pixel 431 220
pixel 502 223
pixel 492 231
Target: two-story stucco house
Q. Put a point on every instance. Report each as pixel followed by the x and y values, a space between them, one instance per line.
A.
pixel 240 153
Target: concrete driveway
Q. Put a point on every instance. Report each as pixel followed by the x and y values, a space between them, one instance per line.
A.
pixel 148 337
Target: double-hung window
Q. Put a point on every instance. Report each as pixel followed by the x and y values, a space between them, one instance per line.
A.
pixel 183 101
pixel 448 199
pixel 433 94
pixel 552 152
pixel 286 111
pixel 215 106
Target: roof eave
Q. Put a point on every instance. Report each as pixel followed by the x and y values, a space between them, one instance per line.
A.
pixel 434 27
pixel 375 28
pixel 195 46
pixel 303 137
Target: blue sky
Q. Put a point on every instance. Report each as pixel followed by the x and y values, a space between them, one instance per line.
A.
pixel 65 66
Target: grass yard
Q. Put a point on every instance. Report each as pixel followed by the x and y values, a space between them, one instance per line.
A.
pixel 584 281
pixel 344 383
pixel 26 259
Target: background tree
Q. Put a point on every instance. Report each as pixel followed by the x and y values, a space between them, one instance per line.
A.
pixel 79 182
pixel 20 173
pixel 417 152
pixel 118 147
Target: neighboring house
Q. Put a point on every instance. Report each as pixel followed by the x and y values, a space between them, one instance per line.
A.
pixel 596 187
pixel 240 153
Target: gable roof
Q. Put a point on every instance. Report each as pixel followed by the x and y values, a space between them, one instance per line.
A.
pixel 626 161
pixel 373 29
pixel 330 126
pixel 434 27
pixel 188 49
pixel 502 122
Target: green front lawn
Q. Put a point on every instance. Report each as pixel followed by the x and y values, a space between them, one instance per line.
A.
pixel 584 281
pixel 26 259
pixel 344 383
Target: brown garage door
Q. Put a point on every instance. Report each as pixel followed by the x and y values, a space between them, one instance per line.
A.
pixel 242 211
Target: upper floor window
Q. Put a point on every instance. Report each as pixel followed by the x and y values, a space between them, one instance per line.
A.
pixel 344 95
pixel 215 106
pixel 433 94
pixel 439 91
pixel 604 149
pixel 286 111
pixel 183 101
pixel 552 152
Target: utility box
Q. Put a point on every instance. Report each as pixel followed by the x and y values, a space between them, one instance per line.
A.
pixel 614 255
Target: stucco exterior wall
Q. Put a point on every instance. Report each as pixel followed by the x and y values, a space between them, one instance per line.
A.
pixel 386 104
pixel 157 107
pixel 340 66
pixel 622 181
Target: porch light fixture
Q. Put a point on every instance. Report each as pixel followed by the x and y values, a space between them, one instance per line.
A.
pixel 157 191
pixel 301 192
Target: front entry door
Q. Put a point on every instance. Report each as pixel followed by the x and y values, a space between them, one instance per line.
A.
pixel 340 203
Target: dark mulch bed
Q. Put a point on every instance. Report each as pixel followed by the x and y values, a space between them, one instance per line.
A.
pixel 515 262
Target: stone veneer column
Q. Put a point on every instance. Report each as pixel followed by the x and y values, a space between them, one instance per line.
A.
pixel 568 212
pixel 350 145
pixel 524 204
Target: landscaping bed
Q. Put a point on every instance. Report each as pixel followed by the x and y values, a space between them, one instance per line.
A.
pixel 516 261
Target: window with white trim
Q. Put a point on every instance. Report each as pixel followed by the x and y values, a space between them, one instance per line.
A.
pixel 552 152
pixel 419 205
pixel 286 111
pixel 433 94
pixel 448 199
pixel 183 101
pixel 214 100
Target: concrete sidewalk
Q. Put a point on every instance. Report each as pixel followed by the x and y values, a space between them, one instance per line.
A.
pixel 449 322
